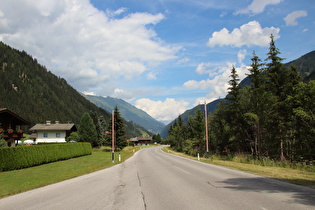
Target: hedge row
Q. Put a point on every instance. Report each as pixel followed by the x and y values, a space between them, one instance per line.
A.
pixel 12 158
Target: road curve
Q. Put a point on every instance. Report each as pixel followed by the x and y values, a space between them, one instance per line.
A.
pixel 154 180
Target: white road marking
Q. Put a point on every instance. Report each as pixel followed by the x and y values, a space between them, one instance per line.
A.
pixel 181 170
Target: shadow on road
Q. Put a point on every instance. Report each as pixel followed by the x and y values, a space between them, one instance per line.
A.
pixel 299 194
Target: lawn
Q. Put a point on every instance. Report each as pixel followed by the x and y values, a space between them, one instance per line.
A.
pixel 13 182
pixel 299 176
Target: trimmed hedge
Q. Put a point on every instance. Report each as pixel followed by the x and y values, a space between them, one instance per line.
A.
pixel 12 158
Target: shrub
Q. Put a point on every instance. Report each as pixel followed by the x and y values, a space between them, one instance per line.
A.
pixel 13 158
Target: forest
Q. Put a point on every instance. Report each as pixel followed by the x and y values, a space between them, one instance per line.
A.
pixel 36 94
pixel 273 117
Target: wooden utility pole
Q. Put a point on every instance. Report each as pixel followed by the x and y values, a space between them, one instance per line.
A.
pixel 207 138
pixel 113 137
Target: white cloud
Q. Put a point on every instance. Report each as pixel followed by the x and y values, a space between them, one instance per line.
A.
pixel 257 6
pixel 291 19
pixel 203 68
pixel 117 12
pixel 86 46
pixel 241 56
pixel 89 93
pixel 217 85
pixel 162 110
pixel 151 76
pixel 183 60
pixel 248 34
pixel 202 100
pixel 122 94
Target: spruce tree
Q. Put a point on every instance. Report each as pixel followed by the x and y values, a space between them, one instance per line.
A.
pixel 87 130
pixel 119 131
pixel 233 110
pixel 196 132
pixel 233 90
pixel 257 102
pixel 276 83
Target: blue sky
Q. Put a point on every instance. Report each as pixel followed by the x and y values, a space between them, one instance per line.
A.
pixel 163 56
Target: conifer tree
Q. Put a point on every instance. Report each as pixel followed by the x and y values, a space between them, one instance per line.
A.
pixel 101 127
pixel 233 110
pixel 277 80
pixel 87 130
pixel 257 102
pixel 196 131
pixel 234 88
pixel 119 130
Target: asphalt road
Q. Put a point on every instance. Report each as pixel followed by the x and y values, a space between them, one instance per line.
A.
pixel 154 180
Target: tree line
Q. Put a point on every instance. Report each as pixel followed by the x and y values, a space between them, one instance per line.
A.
pixel 98 131
pixel 274 117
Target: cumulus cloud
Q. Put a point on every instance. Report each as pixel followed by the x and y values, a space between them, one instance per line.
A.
pixel 291 19
pixel 218 84
pixel 203 68
pixel 241 55
pixel 257 6
pixel 86 46
pixel 248 34
pixel 162 110
pixel 122 94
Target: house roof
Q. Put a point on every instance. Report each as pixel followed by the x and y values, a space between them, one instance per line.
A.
pixel 5 113
pixel 142 138
pixel 58 126
pixel 33 136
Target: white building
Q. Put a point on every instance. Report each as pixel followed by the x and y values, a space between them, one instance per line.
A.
pixel 53 133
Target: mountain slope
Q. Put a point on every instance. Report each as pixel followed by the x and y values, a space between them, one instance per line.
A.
pixel 34 93
pixel 128 112
pixel 305 64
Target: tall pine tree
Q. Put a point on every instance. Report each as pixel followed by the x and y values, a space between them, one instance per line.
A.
pixel 276 83
pixel 119 130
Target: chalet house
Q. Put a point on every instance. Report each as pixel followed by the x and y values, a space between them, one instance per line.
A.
pixel 53 133
pixel 11 126
pixel 141 140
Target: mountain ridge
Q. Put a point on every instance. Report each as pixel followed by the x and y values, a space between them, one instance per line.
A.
pixel 128 112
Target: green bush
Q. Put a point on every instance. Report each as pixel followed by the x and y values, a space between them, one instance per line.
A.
pixel 13 158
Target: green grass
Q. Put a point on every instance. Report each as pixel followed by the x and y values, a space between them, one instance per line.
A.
pixel 304 176
pixel 13 182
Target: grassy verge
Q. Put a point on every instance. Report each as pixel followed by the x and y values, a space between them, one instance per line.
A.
pixel 13 182
pixel 294 176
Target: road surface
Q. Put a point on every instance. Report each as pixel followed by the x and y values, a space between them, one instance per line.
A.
pixel 154 180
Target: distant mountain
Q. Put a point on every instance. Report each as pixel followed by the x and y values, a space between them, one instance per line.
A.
pixel 305 65
pixel 34 93
pixel 128 112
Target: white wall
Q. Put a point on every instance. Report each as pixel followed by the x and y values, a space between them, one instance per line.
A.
pixel 51 138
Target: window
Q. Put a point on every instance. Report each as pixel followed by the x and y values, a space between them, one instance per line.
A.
pixel 45 135
pixel 57 135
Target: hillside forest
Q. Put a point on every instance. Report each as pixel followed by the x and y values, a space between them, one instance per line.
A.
pixel 37 95
pixel 273 117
